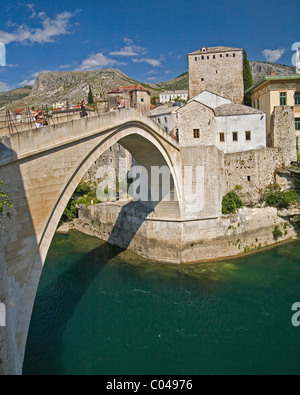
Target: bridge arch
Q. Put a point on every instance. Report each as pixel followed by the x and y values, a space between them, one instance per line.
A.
pixel 51 162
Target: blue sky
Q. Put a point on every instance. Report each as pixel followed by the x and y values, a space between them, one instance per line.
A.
pixel 148 40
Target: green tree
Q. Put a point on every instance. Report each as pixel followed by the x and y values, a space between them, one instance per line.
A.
pixel 90 96
pixel 248 79
pixel 5 203
pixel 231 202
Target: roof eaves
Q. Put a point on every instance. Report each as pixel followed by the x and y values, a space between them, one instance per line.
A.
pixel 272 78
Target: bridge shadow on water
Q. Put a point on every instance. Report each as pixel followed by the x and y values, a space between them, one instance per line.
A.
pixel 59 300
pixel 55 308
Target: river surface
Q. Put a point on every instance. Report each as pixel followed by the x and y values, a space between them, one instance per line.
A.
pixel 103 311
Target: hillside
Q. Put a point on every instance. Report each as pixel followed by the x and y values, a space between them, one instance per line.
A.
pixel 73 86
pixel 6 98
pixel 261 69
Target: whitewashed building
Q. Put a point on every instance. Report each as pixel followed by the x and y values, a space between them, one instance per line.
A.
pixel 209 119
pixel 168 96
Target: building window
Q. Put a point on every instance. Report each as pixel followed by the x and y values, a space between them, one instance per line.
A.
pixel 221 56
pixel 196 59
pixel 216 71
pixel 142 100
pixel 235 136
pixel 297 98
pixel 222 137
pixel 283 98
pixel 214 56
pixel 253 104
pixel 166 129
pixel 258 104
pixel 202 57
pixel 249 178
pixel 166 120
pixel 248 135
pixel 207 57
pixel 227 55
pixel 196 133
pixel 233 55
pixel 297 123
pixel 202 79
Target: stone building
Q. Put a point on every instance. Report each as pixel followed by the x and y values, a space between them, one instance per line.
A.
pixel 165 116
pixel 135 96
pixel 167 96
pixel 209 119
pixel 218 70
pixel 277 90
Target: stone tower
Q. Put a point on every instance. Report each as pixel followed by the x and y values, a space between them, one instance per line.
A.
pixel 297 62
pixel 218 70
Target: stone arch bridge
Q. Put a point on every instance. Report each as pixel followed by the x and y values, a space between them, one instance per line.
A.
pixel 41 168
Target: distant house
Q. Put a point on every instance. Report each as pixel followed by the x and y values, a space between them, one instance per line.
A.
pixel 134 96
pixel 165 116
pixel 70 109
pixel 277 91
pixel 168 96
pixel 24 115
pixel 209 119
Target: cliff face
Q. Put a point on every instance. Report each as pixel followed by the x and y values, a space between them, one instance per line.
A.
pixel 74 86
pixel 261 69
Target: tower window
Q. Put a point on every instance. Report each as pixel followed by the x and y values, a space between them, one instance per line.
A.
pixel 249 178
pixel 222 137
pixel 196 133
pixel 202 79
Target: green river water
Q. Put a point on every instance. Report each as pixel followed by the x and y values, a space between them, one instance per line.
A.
pixel 103 311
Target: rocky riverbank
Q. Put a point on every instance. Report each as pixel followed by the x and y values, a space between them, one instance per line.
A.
pixel 132 226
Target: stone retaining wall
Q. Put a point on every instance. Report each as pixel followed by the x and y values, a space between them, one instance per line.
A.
pixel 127 226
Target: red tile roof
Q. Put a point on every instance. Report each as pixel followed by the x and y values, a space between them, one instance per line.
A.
pixel 122 89
pixel 19 110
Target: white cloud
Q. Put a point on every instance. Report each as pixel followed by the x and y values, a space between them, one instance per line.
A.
pixel 152 62
pixel 273 55
pixel 151 79
pixel 4 87
pixel 68 66
pixel 31 79
pixel 129 50
pixel 31 9
pixel 152 72
pixel 51 28
pixel 97 61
